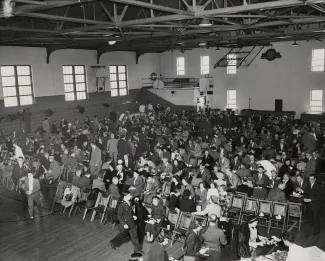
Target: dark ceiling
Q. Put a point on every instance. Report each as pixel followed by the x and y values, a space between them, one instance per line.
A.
pixel 159 25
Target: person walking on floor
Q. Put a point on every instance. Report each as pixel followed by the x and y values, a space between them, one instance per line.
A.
pixel 127 225
pixel 32 189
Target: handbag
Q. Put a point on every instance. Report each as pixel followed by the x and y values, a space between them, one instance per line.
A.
pixel 69 197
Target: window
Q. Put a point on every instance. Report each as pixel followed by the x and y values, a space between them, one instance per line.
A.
pixel 17 85
pixel 231 63
pixel 317 62
pixel 231 99
pixel 118 80
pixel 316 100
pixel 180 66
pixel 205 65
pixel 74 79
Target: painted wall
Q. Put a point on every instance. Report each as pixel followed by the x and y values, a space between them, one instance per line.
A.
pixel 185 97
pixel 289 78
pixel 48 78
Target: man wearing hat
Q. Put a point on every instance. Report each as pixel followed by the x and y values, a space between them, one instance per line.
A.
pixel 32 189
pixel 127 225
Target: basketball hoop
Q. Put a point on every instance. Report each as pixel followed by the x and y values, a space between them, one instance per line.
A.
pixel 101 76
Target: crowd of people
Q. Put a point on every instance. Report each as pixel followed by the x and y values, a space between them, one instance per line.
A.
pixel 201 156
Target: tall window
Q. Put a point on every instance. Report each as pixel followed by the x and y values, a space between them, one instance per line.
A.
pixel 74 78
pixel 231 99
pixel 316 100
pixel 17 85
pixel 180 64
pixel 205 65
pixel 118 80
pixel 317 61
pixel 231 63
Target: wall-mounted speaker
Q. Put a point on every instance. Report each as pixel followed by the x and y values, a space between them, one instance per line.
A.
pixel 172 92
pixel 209 92
pixel 201 93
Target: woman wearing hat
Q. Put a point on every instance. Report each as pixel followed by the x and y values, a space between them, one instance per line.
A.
pixel 261 181
pixel 249 239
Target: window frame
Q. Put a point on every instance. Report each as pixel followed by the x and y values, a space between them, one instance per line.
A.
pixel 180 71
pixel 316 108
pixel 231 68
pixel 231 102
pixel 74 83
pixel 314 60
pixel 205 70
pixel 118 80
pixel 18 95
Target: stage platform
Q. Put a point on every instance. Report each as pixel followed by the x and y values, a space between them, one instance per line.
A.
pixel 57 236
pixel 248 113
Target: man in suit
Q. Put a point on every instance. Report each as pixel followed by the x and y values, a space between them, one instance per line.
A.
pixel 224 162
pixel 54 170
pixel 214 238
pixel 288 185
pixel 136 184
pixel 277 194
pixel 252 146
pixel 310 167
pixel 112 148
pixel 127 225
pixel 314 199
pixel 95 162
pixel 281 146
pixel 123 147
pixel 32 190
pixel 205 174
pixel 309 141
pixel 319 162
pixel 128 166
pixel 300 185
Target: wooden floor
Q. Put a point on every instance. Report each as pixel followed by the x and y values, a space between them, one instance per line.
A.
pixel 59 237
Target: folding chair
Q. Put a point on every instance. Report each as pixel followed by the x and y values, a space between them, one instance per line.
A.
pixel 80 203
pixel 242 194
pixel 295 217
pixel 112 205
pixel 250 208
pixel 279 210
pixel 182 226
pixel 100 206
pixel 172 218
pixel 236 207
pixel 202 219
pixel 265 213
pixel 59 193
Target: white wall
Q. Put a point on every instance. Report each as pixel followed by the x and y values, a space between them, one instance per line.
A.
pixel 185 97
pixel 48 78
pixel 289 78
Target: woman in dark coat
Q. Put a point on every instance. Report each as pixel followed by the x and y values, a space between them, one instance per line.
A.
pixel 142 216
pixel 157 214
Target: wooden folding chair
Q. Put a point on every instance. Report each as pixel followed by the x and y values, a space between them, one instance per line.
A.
pixel 182 226
pixel 172 218
pixel 59 193
pixel 80 203
pixel 250 208
pixel 112 205
pixel 295 215
pixel 236 207
pixel 279 210
pixel 202 219
pixel 100 206
pixel 265 213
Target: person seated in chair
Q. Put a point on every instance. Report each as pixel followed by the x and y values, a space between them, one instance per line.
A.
pixel 244 188
pixel 157 214
pixel 85 182
pixel 277 194
pixel 136 184
pixel 98 182
pixel 186 204
pixel 54 170
pixel 288 185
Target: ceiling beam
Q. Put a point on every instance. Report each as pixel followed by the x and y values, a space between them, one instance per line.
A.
pixel 106 11
pixel 252 7
pixel 152 6
pixel 67 19
pixel 31 2
pixel 322 10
